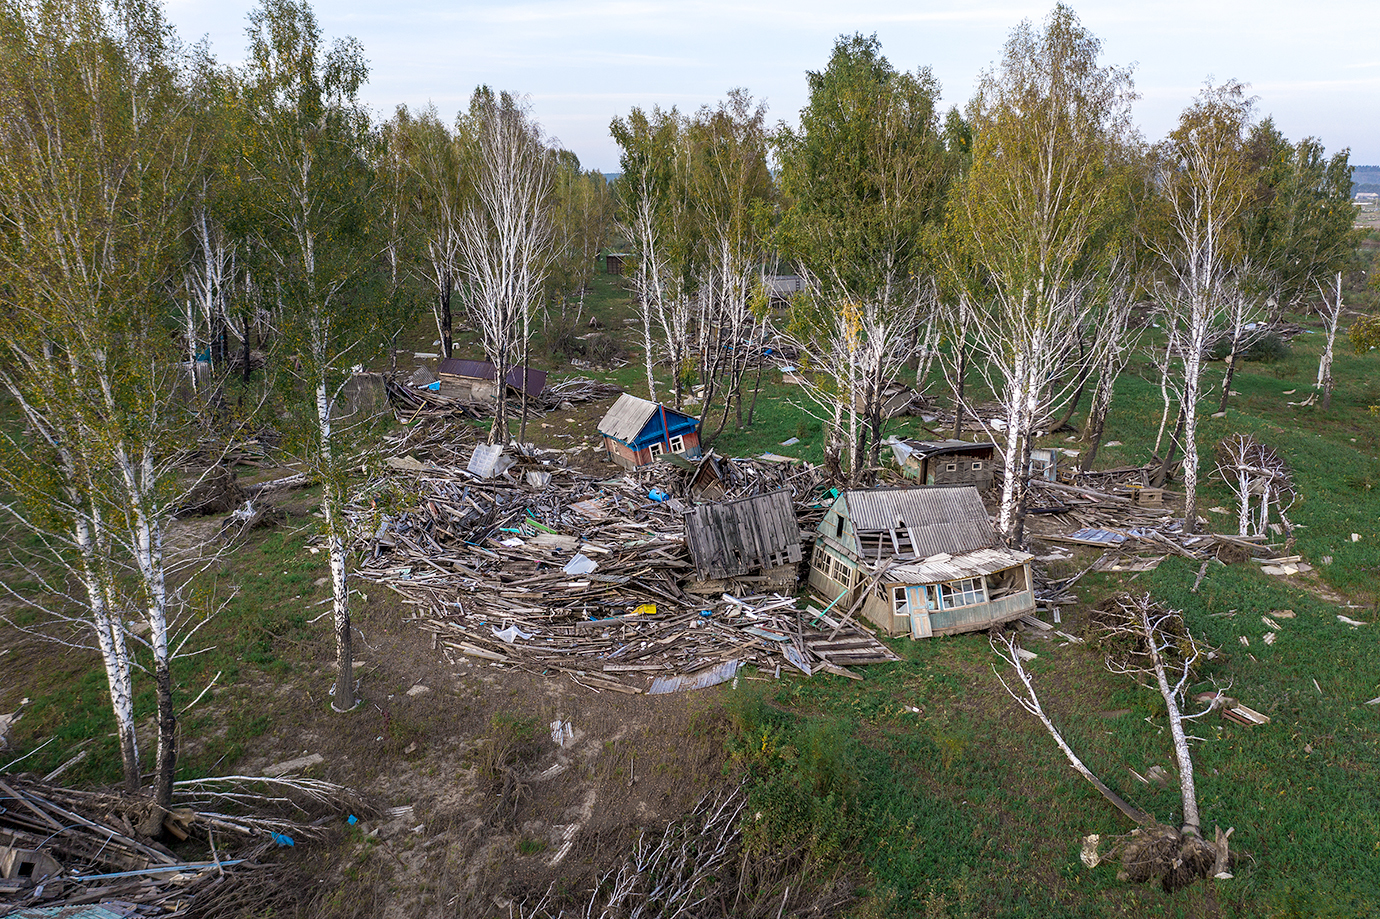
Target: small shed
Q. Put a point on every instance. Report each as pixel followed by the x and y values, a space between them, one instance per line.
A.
pixel 614 262
pixel 923 561
pixel 946 462
pixel 637 431
pixel 755 538
pixel 477 381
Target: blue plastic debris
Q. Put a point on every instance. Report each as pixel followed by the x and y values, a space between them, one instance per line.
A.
pixel 656 494
pixel 706 613
pixel 352 820
pixel 434 387
pixel 283 839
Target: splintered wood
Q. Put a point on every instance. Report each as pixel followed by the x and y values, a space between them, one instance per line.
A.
pixel 549 570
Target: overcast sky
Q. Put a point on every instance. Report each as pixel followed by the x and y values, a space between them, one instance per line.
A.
pixel 1315 66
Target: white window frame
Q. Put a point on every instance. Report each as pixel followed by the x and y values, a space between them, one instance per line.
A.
pixel 977 465
pixel 678 444
pixel 655 449
pixel 951 467
pixel 965 592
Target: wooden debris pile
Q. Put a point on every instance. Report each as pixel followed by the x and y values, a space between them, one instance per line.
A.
pixel 67 847
pixel 545 568
pixel 411 401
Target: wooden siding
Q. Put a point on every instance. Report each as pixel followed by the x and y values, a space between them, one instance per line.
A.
pixel 742 536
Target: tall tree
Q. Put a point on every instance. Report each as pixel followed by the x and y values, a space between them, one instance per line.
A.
pixel 1034 219
pixel 506 237
pixel 863 183
pixel 307 149
pixel 99 152
pixel 1204 181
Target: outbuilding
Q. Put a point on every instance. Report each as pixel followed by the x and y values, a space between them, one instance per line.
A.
pixel 755 539
pixel 946 462
pixel 637 431
pixel 924 561
pixel 477 381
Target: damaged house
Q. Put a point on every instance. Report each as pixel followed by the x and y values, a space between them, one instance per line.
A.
pixel 946 462
pixel 637 432
pixel 477 381
pixel 753 540
pixel 927 558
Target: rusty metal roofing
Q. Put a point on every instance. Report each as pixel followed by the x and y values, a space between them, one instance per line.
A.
pixel 943 567
pixel 939 519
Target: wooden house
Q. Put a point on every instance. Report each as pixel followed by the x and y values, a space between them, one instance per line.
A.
pixel 477 381
pixel 754 539
pixel 922 561
pixel 946 462
pixel 637 431
pixel 614 262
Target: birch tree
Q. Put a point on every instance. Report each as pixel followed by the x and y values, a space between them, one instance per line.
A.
pixel 1033 217
pixel 506 236
pixel 655 216
pixel 306 150
pixel 863 183
pixel 98 157
pixel 1203 182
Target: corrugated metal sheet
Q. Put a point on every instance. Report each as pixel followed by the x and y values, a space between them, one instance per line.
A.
pixel 944 447
pixel 533 380
pixel 745 535
pixel 720 673
pixel 458 367
pixel 627 417
pixel 944 567
pixel 630 415
pixel 940 520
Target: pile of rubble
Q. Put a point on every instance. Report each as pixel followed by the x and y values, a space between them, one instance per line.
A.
pixel 518 559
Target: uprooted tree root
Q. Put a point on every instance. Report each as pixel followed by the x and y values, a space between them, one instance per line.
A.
pixel 1176 860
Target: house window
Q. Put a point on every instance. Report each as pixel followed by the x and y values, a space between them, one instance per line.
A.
pixel 838 527
pixel 966 592
pixel 977 465
pixel 951 467
pixel 839 570
pixel 677 444
pixel 655 450
pixel 898 600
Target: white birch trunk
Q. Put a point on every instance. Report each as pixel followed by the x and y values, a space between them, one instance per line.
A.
pixel 343 699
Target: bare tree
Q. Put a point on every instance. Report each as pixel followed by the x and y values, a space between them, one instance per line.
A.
pixel 506 237
pixel 1331 312
pixel 1260 479
pixel 1203 184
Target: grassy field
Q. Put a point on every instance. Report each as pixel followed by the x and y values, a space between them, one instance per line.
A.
pixel 925 783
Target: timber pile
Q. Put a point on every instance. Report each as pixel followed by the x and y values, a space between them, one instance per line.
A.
pixel 412 401
pixel 550 570
pixel 1128 530
pixel 78 847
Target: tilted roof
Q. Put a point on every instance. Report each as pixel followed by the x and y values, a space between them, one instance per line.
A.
pixel 943 567
pixel 630 414
pixel 940 520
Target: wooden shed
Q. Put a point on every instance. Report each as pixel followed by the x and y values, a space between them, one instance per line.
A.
pixel 637 431
pixel 614 262
pixel 925 561
pixel 946 462
pixel 477 381
pixel 755 538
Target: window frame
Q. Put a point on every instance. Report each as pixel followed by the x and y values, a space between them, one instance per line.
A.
pixel 962 593
pixel 678 443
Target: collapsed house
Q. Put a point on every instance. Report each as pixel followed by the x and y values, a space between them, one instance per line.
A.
pixel 752 540
pixel 477 381
pixel 919 561
pixel 946 462
pixel 637 432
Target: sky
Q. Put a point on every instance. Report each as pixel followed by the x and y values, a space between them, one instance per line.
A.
pixel 1314 66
